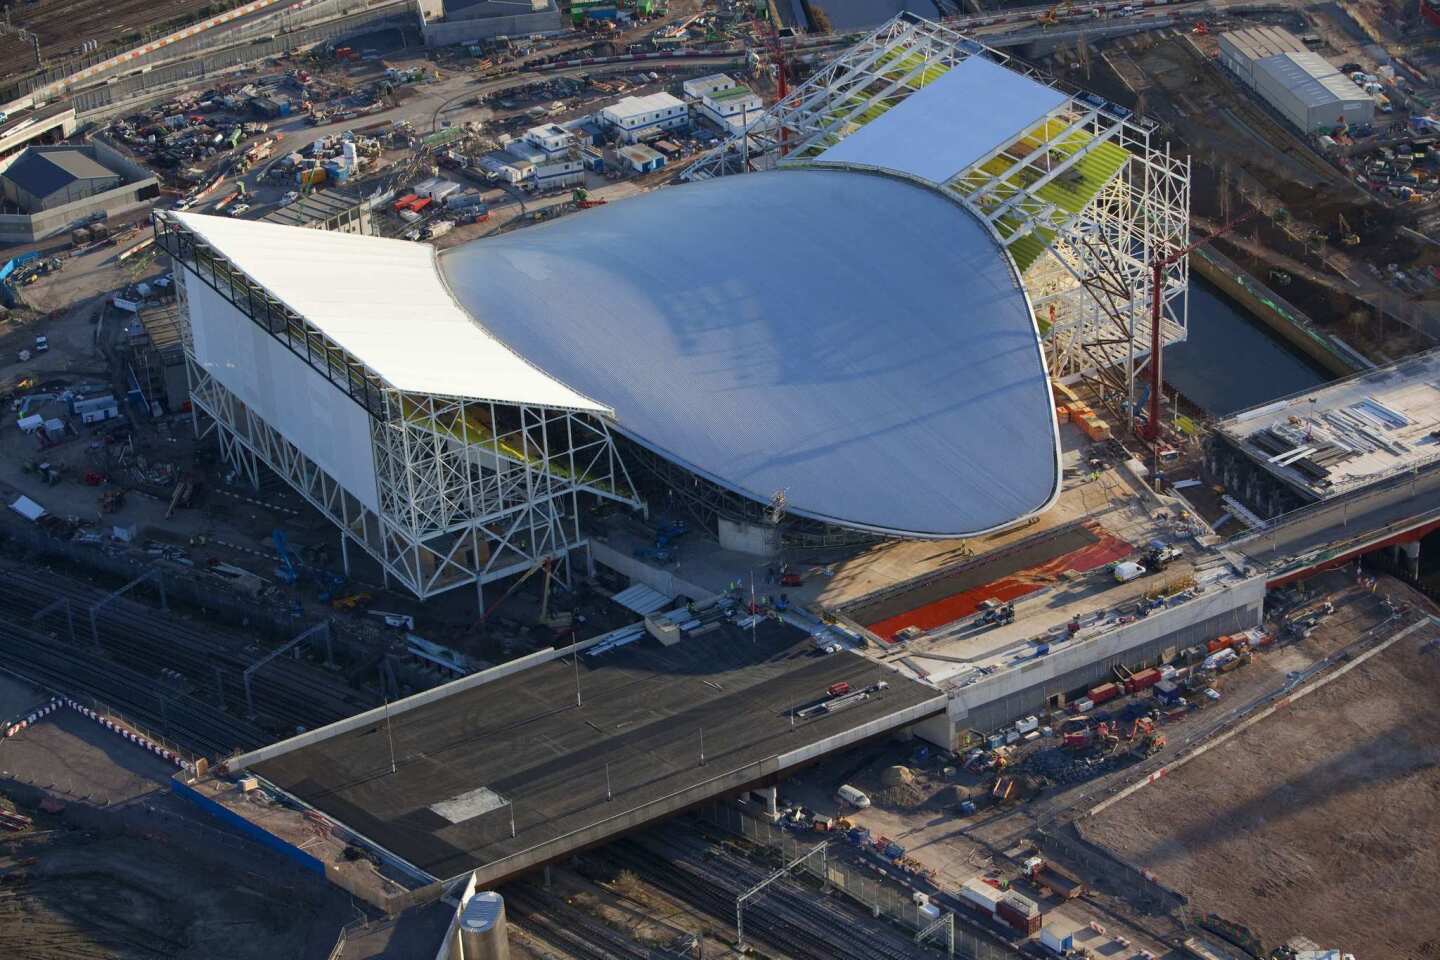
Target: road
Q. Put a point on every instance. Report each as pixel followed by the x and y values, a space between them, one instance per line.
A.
pixel 1315 533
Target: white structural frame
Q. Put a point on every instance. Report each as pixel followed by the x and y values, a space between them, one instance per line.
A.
pixel 1091 287
pixel 470 490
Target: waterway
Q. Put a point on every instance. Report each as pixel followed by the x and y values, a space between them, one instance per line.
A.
pixel 1231 360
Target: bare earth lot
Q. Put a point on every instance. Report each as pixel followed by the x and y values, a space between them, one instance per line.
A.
pixel 1319 821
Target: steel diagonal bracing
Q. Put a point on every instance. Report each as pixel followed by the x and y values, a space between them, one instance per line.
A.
pixel 466 491
pixel 1083 200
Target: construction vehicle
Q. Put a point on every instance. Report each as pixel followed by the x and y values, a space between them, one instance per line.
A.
pixel 583 201
pixel 1057 880
pixel 1100 737
pixel 997 612
pixel 1159 556
pixel 351 601
pixel 288 570
pixel 184 491
pixel 1348 237
pixel 1052 16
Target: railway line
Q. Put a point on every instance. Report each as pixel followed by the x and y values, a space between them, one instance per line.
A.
pixel 552 919
pixel 192 724
pixel 169 672
pixel 788 916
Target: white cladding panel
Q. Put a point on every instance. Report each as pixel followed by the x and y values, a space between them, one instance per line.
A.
pixel 950 123
pixel 307 409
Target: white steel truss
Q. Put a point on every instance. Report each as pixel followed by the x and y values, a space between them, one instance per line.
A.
pixel 469 491
pixel 1084 202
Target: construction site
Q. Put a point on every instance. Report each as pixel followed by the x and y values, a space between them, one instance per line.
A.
pixel 690 484
pixel 1253 830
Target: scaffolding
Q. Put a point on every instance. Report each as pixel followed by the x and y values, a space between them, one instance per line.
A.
pixel 1083 201
pixel 469 490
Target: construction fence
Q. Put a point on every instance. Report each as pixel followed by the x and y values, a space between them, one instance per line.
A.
pixel 881 897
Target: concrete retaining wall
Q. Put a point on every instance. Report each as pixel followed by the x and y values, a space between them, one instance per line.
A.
pixel 662 580
pixel 999 699
pixel 447 32
pixel 1273 310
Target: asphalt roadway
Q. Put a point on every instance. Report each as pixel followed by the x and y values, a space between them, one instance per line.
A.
pixel 1357 519
pixel 647 715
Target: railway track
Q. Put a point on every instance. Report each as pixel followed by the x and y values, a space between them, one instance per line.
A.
pixel 193 725
pixel 557 922
pixel 168 671
pixel 788 916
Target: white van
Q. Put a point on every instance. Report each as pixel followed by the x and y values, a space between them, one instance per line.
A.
pixel 848 794
pixel 1127 571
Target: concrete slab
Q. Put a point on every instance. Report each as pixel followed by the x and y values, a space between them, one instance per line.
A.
pixel 654 727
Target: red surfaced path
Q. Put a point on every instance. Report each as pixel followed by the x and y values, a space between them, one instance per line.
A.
pixel 1106 550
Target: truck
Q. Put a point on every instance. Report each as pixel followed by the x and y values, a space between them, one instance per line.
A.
pixel 1057 880
pixel 853 797
pixel 838 689
pixel 439 228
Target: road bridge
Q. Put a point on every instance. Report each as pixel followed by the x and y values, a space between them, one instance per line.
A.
pixel 514 767
pixel 1321 536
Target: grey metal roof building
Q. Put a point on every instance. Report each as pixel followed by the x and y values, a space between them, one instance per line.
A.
pixel 1309 90
pixel 37 180
pixel 855 340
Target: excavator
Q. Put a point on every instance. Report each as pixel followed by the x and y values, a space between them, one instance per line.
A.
pixel 1100 736
pixel 582 199
pixel 1146 740
pixel 1052 16
pixel 1347 235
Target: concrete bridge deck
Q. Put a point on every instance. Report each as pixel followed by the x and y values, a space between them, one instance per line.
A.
pixel 1402 509
pixel 507 775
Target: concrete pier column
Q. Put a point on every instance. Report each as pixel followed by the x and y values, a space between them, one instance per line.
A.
pixel 772 794
pixel 1412 555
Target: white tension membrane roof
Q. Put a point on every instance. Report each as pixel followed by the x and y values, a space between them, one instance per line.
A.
pixel 938 131
pixel 384 302
pixel 856 340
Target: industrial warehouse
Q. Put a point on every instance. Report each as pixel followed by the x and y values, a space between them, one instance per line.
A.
pixel 677 481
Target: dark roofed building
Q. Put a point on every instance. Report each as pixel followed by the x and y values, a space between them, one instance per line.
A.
pixel 39 180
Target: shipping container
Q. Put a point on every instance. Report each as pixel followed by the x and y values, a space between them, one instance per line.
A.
pixel 420 204
pixel 1083 705
pixel 1016 918
pixel 1221 643
pixel 1021 903
pixel 1143 680
pixel 979 895
pixel 403 202
pixel 1103 693
pixel 1057 938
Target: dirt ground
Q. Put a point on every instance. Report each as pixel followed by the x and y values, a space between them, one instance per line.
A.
pixel 1318 821
pixel 116 867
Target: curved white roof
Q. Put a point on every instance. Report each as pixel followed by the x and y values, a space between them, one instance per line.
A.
pixel 856 340
pixel 384 302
